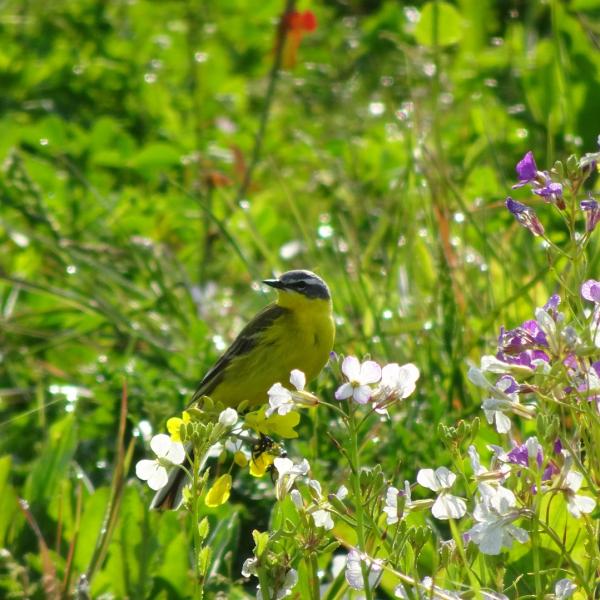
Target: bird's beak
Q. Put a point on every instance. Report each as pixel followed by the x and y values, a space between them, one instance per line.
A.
pixel 275 283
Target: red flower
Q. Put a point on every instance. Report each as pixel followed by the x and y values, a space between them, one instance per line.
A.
pixel 295 25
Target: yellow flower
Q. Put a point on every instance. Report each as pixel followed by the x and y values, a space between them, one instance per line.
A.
pixel 260 464
pixel 174 425
pixel 219 492
pixel 240 459
pixel 281 425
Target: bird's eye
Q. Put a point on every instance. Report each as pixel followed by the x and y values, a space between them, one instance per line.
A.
pixel 301 285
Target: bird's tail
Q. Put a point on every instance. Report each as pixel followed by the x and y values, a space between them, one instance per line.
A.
pixel 170 496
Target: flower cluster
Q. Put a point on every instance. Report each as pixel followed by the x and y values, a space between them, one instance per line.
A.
pixel 557 186
pixel 367 382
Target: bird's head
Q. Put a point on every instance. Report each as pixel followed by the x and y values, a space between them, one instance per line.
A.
pixel 299 284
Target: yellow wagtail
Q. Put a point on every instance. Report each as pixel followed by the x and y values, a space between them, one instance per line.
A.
pixel 294 332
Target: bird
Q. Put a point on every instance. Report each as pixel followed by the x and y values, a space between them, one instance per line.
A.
pixel 296 331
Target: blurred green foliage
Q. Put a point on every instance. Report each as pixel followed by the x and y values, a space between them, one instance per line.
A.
pixel 128 250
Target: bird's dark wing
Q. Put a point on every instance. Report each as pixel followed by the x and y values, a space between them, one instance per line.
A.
pixel 243 343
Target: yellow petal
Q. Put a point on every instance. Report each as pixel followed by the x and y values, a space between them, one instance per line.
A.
pixel 281 425
pixel 174 428
pixel 219 492
pixel 260 464
pixel 240 459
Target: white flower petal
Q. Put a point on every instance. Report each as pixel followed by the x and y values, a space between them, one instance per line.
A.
pixel 160 444
pixel 159 478
pixel 445 477
pixel 362 394
pixel 228 417
pixel 298 379
pixel 580 504
pixel 573 480
pixel 564 589
pixel 283 466
pixel 296 497
pixel 342 492
pixel 370 372
pixel 427 478
pixel 144 469
pixel 175 453
pixel 316 486
pixel 344 391
pixel 448 507
pixel 476 377
pixel 323 519
pixel 351 368
pixel 503 423
pixel 518 533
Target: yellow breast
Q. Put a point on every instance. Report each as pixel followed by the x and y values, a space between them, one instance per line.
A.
pixel 301 338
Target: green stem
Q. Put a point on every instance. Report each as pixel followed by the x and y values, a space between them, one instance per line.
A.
pixel 313 576
pixel 355 465
pixel 198 580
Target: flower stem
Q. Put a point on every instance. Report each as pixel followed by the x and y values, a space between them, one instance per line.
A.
pixel 198 580
pixel 355 466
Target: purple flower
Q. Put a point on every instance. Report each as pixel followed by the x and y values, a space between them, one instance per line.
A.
pixel 549 192
pixel 551 307
pixel 519 455
pixel 525 337
pixel 525 216
pixel 590 290
pixel 592 213
pixel 557 447
pixel 526 170
pixel 507 384
pixel 550 471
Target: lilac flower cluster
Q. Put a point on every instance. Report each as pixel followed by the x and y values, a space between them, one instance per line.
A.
pixel 532 351
pixel 550 187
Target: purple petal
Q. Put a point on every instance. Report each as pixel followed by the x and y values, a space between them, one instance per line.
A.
pixel 526 168
pixel 590 290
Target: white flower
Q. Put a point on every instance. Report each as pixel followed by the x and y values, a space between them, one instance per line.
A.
pixel 288 473
pixel 576 503
pixel 167 453
pixel 228 417
pixel 391 505
pixel 547 324
pixel 342 492
pixel 290 581
pixel 446 505
pixel 249 567
pixel 360 379
pixel 486 480
pixel 391 502
pixel 315 486
pixel 322 518
pixel 503 400
pixel 296 497
pixel 298 379
pixel 354 575
pixel 282 400
pixel 564 589
pixel 398 381
pixel 494 515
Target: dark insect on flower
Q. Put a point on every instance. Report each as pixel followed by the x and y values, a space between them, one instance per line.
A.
pixel 525 216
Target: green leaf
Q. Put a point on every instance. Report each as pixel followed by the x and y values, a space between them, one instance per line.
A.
pixel 8 501
pixel 52 463
pixel 440 25
pixel 155 156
